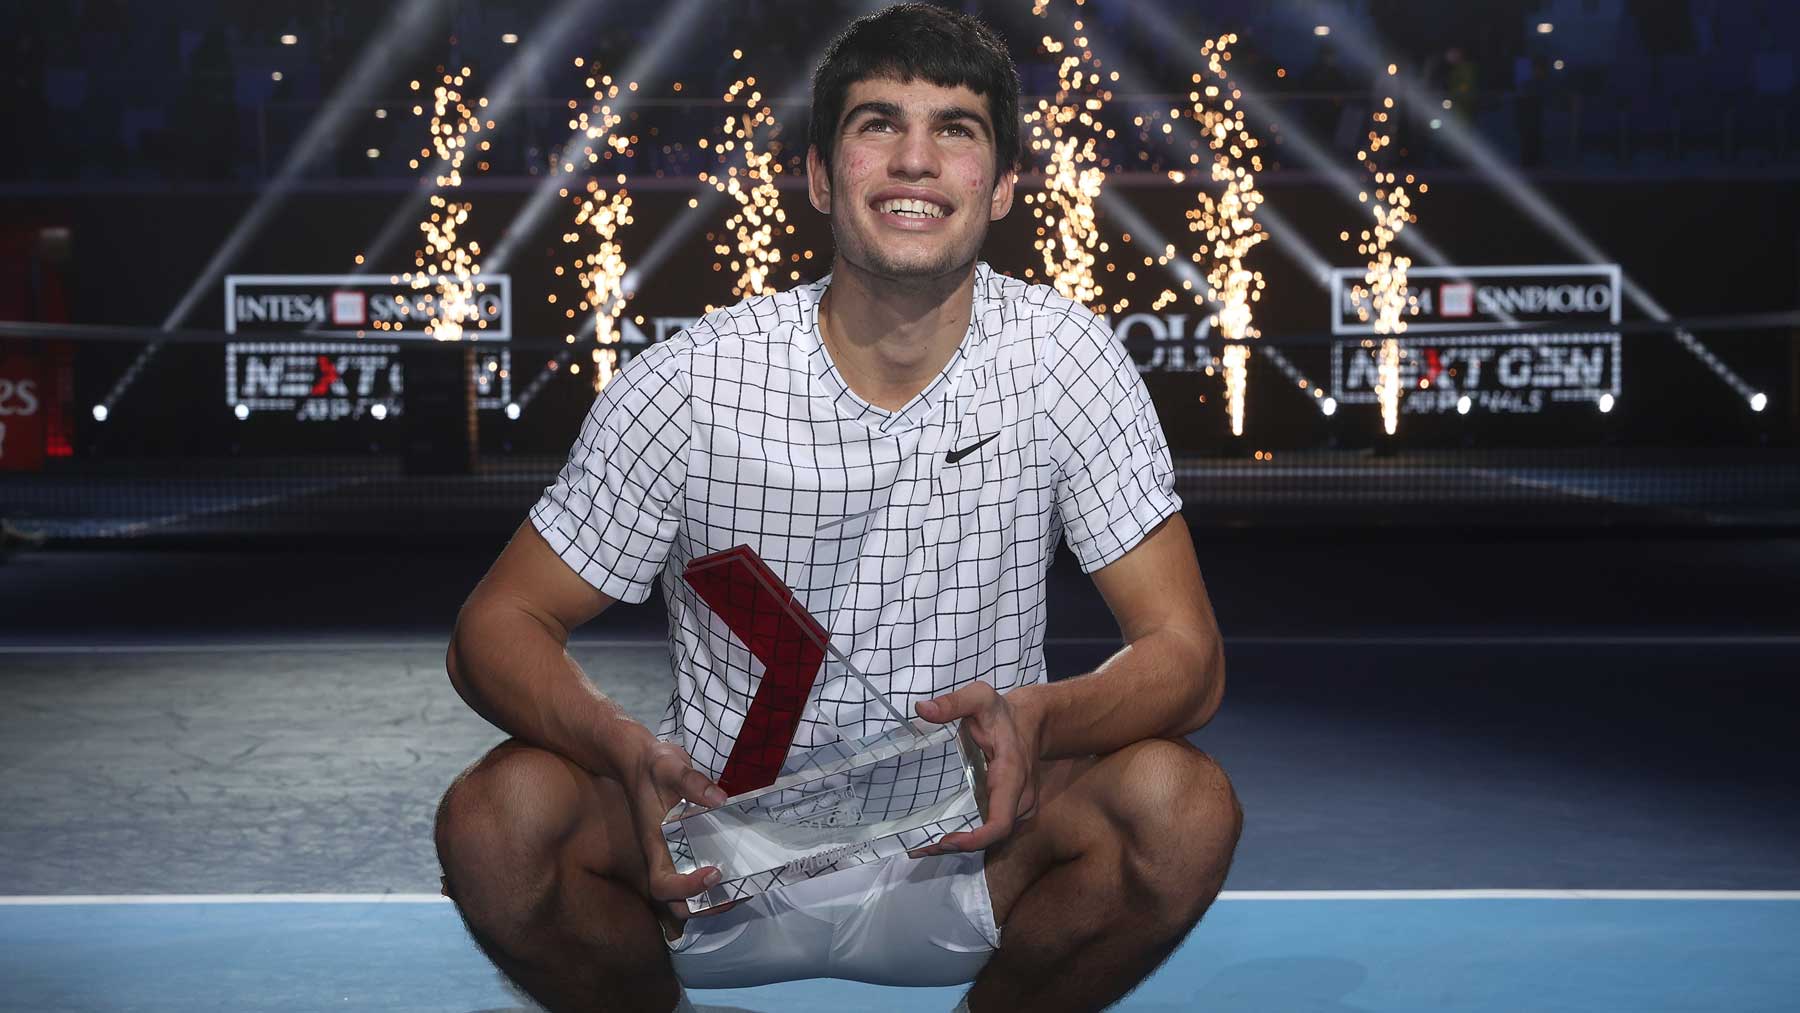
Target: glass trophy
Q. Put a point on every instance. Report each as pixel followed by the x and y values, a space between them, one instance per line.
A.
pixel 796 814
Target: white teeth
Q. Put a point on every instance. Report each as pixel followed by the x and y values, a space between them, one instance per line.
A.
pixel 914 208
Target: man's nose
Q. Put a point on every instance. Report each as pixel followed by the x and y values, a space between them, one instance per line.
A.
pixel 916 156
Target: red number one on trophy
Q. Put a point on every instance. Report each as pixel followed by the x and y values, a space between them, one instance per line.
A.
pixel 756 606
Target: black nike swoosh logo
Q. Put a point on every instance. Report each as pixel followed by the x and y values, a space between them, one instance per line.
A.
pixel 956 455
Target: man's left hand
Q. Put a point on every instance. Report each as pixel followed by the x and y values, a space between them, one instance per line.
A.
pixel 1008 737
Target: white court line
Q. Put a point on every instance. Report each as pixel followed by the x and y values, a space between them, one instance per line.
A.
pixel 1446 640
pixel 152 899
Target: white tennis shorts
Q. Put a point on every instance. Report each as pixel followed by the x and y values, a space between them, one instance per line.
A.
pixel 902 921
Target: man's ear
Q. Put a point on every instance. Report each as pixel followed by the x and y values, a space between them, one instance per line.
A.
pixel 818 181
pixel 1003 195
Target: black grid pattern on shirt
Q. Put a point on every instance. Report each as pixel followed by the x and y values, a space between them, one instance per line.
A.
pixel 612 512
pixel 742 432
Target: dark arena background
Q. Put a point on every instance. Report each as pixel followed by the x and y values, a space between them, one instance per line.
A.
pixel 1474 329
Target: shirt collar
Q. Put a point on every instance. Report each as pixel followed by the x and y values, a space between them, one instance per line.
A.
pixel 976 347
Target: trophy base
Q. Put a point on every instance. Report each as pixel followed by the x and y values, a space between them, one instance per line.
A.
pixel 834 807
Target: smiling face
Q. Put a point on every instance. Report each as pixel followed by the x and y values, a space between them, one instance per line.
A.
pixel 912 186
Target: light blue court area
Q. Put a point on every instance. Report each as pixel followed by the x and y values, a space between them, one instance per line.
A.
pixel 1298 953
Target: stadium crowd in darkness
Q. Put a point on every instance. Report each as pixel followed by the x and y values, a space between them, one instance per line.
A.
pixel 195 90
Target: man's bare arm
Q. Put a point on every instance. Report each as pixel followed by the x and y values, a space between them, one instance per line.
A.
pixel 508 659
pixel 1170 677
pixel 1167 682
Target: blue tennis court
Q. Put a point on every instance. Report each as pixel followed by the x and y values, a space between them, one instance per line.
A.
pixel 1584 799
pixel 1310 952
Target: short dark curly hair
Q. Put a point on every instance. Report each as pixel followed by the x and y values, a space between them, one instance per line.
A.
pixel 919 41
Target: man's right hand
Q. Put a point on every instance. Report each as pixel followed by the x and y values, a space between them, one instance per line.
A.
pixel 661 775
pixel 509 660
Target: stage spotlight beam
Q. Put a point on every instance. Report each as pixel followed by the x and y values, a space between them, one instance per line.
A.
pixel 531 64
pixel 1285 237
pixel 1163 30
pixel 1473 149
pixel 797 93
pixel 321 138
pixel 1184 269
pixel 376 62
pixel 674 28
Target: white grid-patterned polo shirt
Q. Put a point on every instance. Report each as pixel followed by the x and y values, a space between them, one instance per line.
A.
pixel 920 538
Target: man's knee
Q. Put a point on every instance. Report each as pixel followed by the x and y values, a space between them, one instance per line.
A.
pixel 1180 819
pixel 539 857
pixel 503 822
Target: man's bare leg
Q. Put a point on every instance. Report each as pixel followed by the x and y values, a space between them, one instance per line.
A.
pixel 541 860
pixel 1125 854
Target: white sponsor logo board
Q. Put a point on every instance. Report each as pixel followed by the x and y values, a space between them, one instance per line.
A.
pixel 1471 299
pixel 1509 374
pixel 332 381
pixel 328 381
pixel 353 304
pixel 1450 349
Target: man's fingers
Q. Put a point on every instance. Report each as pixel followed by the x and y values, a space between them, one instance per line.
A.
pixel 674 887
pixel 670 776
pixel 961 703
pixel 1027 804
pixel 665 883
pixel 982 837
pixel 1006 788
pixel 696 788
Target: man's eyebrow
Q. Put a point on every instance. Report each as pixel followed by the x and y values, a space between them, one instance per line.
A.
pixel 944 114
pixel 879 108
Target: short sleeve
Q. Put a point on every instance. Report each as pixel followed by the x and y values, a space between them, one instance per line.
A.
pixel 1114 479
pixel 614 509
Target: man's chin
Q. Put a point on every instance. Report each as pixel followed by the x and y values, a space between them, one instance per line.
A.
pixel 916 269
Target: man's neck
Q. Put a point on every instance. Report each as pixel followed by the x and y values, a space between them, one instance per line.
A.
pixel 890 339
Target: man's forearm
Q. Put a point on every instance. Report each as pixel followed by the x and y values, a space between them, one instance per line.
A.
pixel 515 672
pixel 1166 683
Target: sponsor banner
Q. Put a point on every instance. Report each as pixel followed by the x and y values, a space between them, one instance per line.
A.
pixel 22 412
pixel 1502 373
pixel 332 381
pixel 1471 299
pixel 354 306
pixel 1165 342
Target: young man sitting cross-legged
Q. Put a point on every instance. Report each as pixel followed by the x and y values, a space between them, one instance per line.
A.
pixel 976 421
